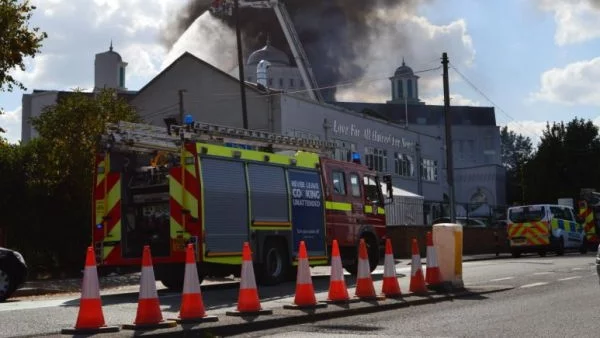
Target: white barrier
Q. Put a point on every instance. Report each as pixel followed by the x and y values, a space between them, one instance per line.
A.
pixel 448 241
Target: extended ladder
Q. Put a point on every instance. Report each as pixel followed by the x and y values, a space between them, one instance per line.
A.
pixel 128 136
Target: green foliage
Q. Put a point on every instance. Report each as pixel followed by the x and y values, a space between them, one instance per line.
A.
pixel 50 178
pixel 567 159
pixel 517 150
pixel 17 41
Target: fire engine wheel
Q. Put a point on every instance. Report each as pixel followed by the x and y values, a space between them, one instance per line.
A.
pixel 276 264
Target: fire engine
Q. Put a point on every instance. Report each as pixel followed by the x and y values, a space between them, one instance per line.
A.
pixel 217 187
pixel 589 214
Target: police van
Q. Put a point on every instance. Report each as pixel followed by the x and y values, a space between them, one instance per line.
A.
pixel 544 227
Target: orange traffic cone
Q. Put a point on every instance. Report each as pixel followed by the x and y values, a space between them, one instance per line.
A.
pixel 192 306
pixel 305 292
pixel 148 314
pixel 417 281
pixel 90 318
pixel 338 292
pixel 364 283
pixel 248 302
pixel 432 274
pixel 390 287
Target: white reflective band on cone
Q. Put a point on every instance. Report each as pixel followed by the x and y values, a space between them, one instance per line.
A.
pixel 303 278
pixel 90 288
pixel 416 264
pixel 363 268
pixel 191 284
pixel 431 257
pixel 247 281
pixel 389 269
pixel 337 272
pixel 148 286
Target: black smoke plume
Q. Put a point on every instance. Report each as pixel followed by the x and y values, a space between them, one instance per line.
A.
pixel 334 33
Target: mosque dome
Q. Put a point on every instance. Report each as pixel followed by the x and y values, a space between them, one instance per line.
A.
pixel 271 54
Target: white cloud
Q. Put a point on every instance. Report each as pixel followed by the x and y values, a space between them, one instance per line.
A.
pixel 576 20
pixel 574 84
pixel 422 51
pixel 10 121
pixel 455 100
pixel 528 128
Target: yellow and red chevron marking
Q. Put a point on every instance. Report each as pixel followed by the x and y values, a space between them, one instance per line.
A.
pixel 588 226
pixel 184 192
pixel 535 233
pixel 107 209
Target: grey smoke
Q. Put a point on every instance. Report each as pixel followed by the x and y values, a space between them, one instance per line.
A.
pixel 334 33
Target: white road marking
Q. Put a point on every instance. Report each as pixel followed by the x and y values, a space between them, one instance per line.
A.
pixel 542 273
pixel 578 269
pixel 569 278
pixel 500 279
pixel 533 285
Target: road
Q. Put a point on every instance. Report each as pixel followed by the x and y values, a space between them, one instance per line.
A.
pixel 552 297
pixel 564 282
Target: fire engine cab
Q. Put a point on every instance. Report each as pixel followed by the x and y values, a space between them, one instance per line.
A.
pixel 218 187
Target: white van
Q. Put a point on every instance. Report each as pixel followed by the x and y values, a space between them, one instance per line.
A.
pixel 544 227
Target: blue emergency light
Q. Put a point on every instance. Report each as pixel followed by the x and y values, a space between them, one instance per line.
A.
pixel 188 119
pixel 356 157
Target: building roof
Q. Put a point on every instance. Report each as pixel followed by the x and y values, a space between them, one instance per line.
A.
pixel 269 53
pixel 200 61
pixel 424 114
pixel 404 71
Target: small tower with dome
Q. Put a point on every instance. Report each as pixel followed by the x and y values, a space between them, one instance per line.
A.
pixel 281 75
pixel 109 71
pixel 405 86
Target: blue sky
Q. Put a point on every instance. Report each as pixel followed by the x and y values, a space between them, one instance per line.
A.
pixel 537 60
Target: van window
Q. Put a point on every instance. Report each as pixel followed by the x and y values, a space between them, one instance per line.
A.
pixel 339 184
pixel 526 214
pixel 561 213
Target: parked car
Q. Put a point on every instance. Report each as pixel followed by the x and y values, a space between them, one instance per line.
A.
pixel 13 272
pixel 465 222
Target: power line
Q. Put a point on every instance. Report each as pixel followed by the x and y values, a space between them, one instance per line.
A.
pixel 470 83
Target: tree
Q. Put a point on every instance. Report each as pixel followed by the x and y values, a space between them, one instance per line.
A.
pixel 17 41
pixel 567 160
pixel 515 153
pixel 63 176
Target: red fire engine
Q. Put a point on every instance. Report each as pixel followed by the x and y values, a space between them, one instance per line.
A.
pixel 217 187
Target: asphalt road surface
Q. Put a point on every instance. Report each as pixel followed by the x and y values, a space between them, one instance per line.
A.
pixel 553 296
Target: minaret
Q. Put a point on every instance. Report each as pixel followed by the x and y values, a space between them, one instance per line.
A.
pixel 109 70
pixel 405 86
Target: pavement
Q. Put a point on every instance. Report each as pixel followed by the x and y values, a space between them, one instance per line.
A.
pixel 114 283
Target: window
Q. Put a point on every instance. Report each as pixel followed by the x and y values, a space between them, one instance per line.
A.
pixel 281 83
pixel 355 185
pixel 122 77
pixel 270 82
pixel 249 78
pixel 561 213
pixel 292 83
pixel 399 88
pixel 404 165
pixel 343 150
pixel 371 189
pixel 339 186
pixel 376 159
pixel 302 83
pixel 429 170
pixel 409 88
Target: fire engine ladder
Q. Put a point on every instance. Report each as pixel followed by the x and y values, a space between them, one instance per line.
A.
pixel 127 136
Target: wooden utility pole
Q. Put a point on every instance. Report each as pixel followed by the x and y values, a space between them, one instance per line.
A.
pixel 448 125
pixel 241 63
